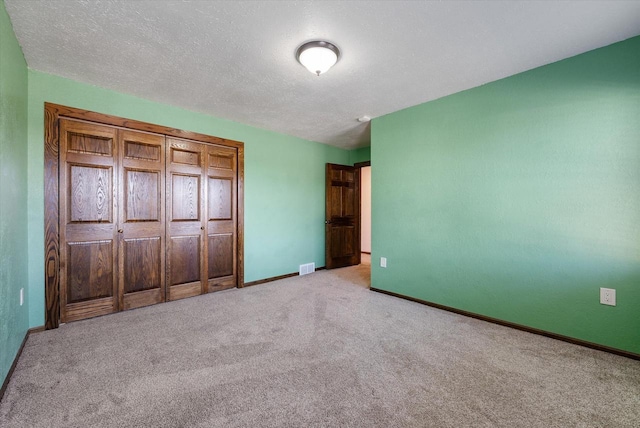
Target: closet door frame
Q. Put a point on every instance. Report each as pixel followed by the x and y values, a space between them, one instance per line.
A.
pixel 52 114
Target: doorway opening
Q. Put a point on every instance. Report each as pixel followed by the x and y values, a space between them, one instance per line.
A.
pixel 365 215
pixel 343 218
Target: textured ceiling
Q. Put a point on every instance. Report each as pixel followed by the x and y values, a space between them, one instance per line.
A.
pixel 235 59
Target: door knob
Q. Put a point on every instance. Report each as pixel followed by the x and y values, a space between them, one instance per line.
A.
pixel 201 227
pixel 120 230
pixel 327 222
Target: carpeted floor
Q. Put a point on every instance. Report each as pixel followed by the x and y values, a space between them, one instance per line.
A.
pixel 314 351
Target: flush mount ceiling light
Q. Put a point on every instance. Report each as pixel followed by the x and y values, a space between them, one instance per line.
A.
pixel 318 56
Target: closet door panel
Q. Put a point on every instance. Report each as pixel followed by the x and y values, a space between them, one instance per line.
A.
pixel 88 181
pixel 186 196
pixel 221 217
pixel 220 255
pixel 91 192
pixel 142 191
pixel 90 274
pixel 185 257
pixel 143 266
pixel 141 217
pixel 220 199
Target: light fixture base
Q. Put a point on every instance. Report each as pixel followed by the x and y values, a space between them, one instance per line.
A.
pixel 318 56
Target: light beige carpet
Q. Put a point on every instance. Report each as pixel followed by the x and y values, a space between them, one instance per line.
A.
pixel 314 351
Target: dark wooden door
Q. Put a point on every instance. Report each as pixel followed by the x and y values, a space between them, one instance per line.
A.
pixel 186 246
pixel 134 217
pixel 88 225
pixel 141 219
pixel 342 217
pixel 221 215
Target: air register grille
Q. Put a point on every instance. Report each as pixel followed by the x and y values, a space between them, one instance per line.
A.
pixel 307 268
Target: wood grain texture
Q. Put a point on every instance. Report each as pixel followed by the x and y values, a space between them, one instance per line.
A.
pixel 143 263
pixel 184 256
pixel 222 283
pixel 185 227
pixel 137 150
pixel 141 216
pixel 83 143
pixel 240 219
pixel 185 156
pixel 140 211
pixel 183 291
pixel 91 191
pixel 342 211
pixel 142 298
pixel 90 271
pixel 222 218
pixel 106 119
pixel 141 190
pixel 220 198
pixel 342 241
pixel 185 197
pixel 220 255
pixel 51 220
pixel 87 185
pixel 222 160
pixel 90 309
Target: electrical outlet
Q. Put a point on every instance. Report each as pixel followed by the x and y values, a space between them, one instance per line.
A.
pixel 608 296
pixel 21 296
pixel 383 262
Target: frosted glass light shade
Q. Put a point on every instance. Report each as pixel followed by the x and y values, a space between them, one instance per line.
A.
pixel 318 56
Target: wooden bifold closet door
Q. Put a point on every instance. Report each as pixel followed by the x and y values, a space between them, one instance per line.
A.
pixel 88 220
pixel 143 219
pixel 201 218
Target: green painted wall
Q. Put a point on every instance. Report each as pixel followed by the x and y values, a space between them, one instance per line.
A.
pixel 13 194
pixel 363 154
pixel 519 199
pixel 284 179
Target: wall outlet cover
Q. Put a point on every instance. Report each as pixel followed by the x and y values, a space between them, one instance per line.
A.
pixel 383 262
pixel 608 296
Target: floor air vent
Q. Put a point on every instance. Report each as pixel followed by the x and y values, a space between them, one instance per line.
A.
pixel 307 268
